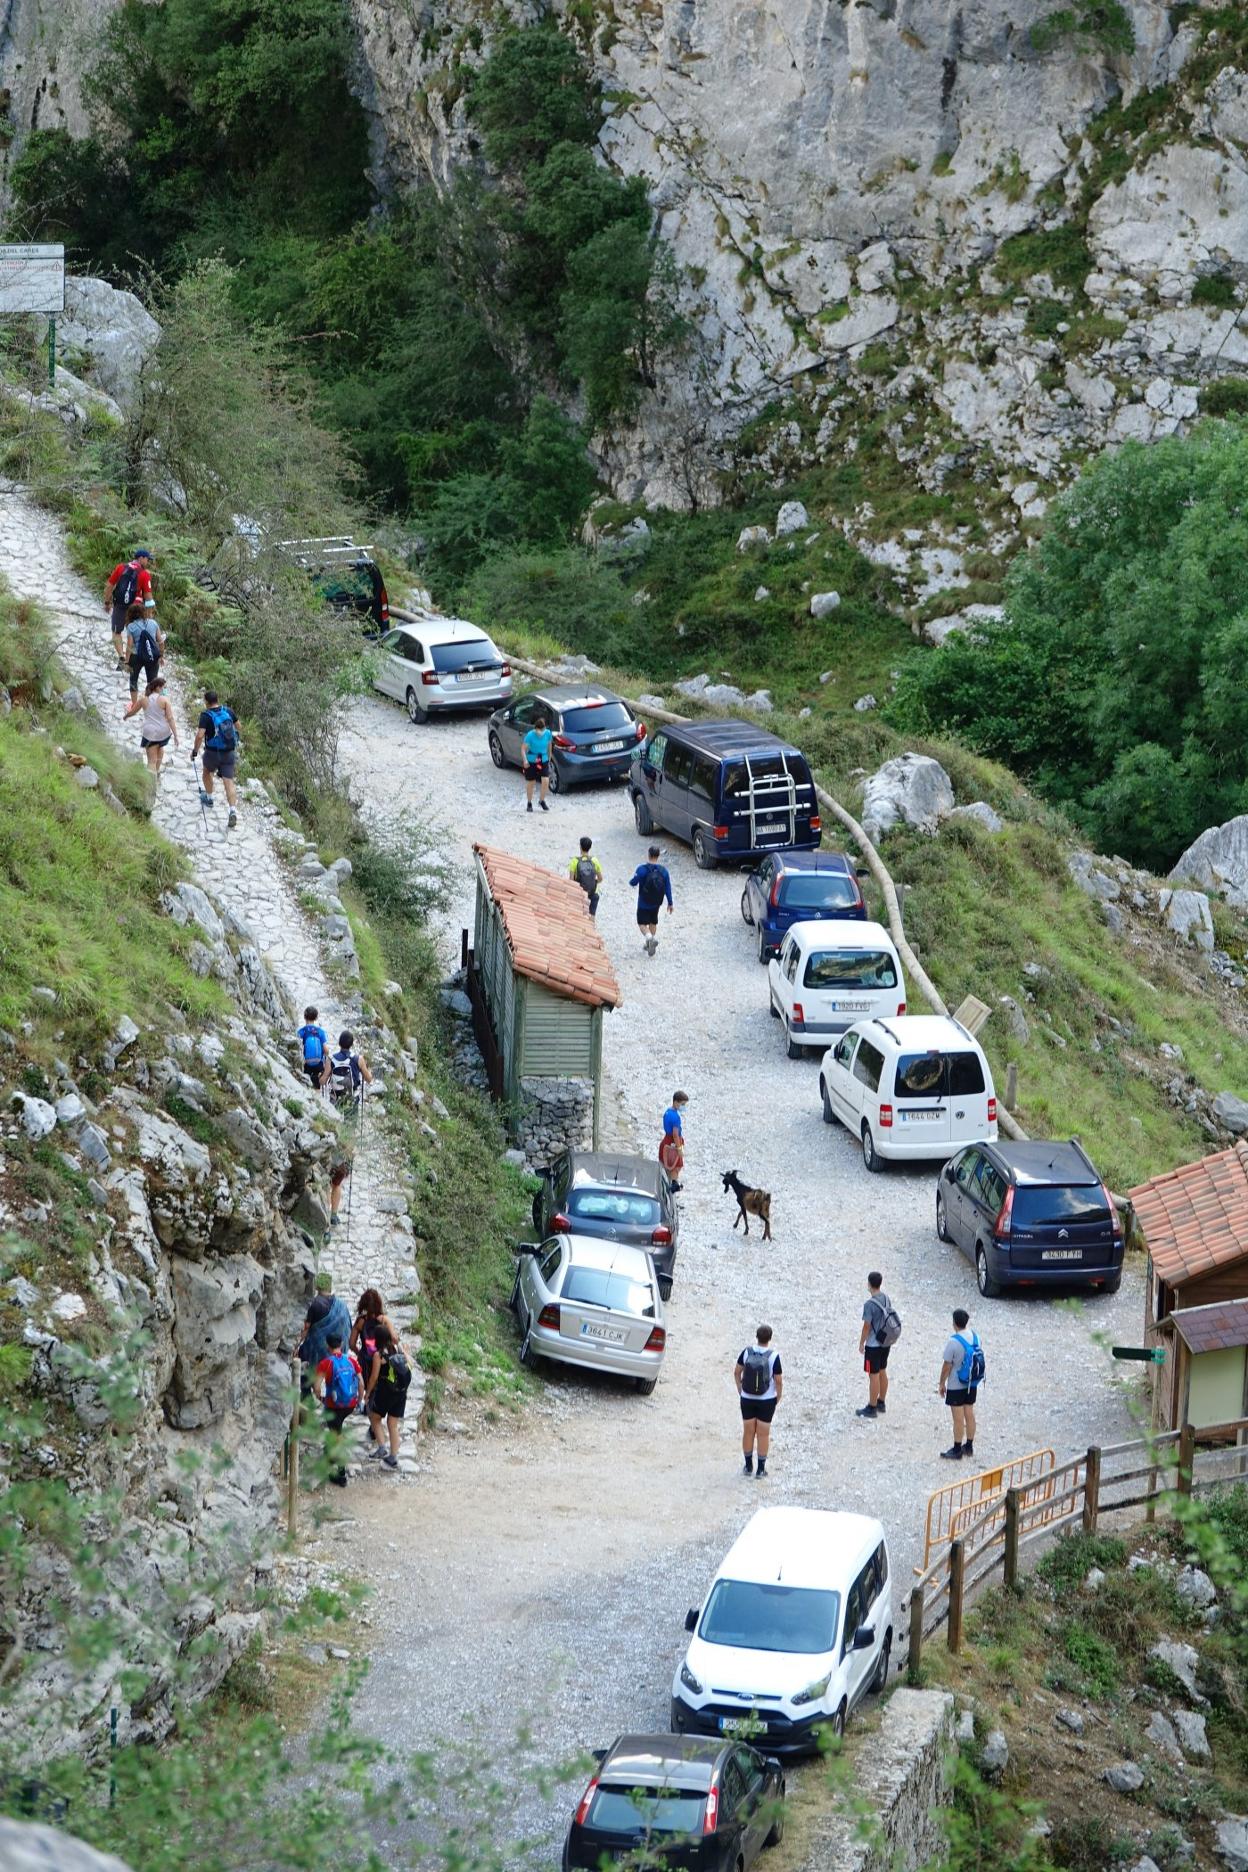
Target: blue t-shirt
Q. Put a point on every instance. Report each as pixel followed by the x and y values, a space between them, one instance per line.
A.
pixel 671 1122
pixel 537 744
pixel 311 1055
pixel 652 884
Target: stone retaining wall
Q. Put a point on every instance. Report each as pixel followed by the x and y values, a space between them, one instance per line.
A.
pixel 555 1115
pixel 901 1775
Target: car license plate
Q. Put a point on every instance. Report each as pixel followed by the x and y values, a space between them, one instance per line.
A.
pixel 742 1725
pixel 920 1117
pixel 612 1333
pixel 771 831
pixel 1061 1254
pixel 475 676
pixel 850 1007
pixel 606 747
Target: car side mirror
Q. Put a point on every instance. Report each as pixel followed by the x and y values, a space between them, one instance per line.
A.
pixel 864 1638
pixel 774 1763
pixel 599 1755
pixel 524 1248
pixel 949 1173
pixel 691 1618
pixel 862 873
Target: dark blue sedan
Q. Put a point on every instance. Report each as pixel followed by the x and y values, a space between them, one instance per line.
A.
pixel 799 887
pixel 596 733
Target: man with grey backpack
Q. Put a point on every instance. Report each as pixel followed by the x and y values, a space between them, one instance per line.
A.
pixel 881 1329
pixel 759 1379
pixel 586 871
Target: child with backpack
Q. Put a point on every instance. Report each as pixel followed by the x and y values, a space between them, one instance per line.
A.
pixel 128 583
pixel 217 734
pixel 314 1046
pixel 388 1381
pixel 652 883
pixel 339 1383
pixel 146 642
pixel 961 1374
pixel 586 871
pixel 881 1329
pixel 759 1378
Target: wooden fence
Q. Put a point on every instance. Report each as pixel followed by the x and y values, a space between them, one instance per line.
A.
pixel 1076 1493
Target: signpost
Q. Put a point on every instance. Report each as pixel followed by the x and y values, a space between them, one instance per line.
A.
pixel 1144 1354
pixel 32 279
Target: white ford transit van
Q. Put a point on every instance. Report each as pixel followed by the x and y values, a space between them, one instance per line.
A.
pixel 830 975
pixel 913 1087
pixel 796 1629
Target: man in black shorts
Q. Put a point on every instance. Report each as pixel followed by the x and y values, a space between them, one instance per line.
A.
pixel 759 1379
pixel 874 1352
pixel 957 1363
pixel 217 734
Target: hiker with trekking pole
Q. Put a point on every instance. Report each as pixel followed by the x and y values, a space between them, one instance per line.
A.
pixel 217 734
pixel 346 1074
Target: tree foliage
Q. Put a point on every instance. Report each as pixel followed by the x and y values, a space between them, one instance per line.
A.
pixel 1115 680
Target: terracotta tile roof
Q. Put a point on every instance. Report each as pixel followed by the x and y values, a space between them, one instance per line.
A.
pixel 1215 1328
pixel 552 938
pixel 1195 1218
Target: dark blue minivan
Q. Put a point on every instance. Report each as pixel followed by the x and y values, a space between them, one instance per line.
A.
pixel 729 789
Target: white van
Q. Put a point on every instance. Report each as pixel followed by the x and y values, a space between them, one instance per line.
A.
pixel 915 1087
pixel 828 975
pixel 796 1629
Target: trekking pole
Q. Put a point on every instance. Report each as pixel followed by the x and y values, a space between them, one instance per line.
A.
pixel 203 810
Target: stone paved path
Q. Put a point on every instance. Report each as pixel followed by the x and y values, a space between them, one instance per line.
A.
pixel 242 870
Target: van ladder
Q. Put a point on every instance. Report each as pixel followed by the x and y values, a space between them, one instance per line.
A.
pixel 786 788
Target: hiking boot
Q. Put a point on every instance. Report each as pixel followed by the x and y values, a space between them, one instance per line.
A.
pixel 652 943
pixel 335 1221
pixel 762 1468
pixel 968 1449
pixel 880 1408
pixel 868 1410
pixel 543 805
pixel 376 1451
pixel 954 1454
pixel 391 1462
pixel 749 1465
pixel 206 799
pixel 232 820
pixel 529 806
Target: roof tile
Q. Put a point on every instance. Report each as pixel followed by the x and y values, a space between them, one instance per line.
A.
pixel 1195 1218
pixel 552 938
pixel 1216 1328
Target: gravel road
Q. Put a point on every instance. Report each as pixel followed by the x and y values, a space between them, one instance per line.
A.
pixel 545 1571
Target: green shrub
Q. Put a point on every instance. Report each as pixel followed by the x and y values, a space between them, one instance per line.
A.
pixel 1086 26
pixel 1225 396
pixel 1215 289
pixel 1096 1671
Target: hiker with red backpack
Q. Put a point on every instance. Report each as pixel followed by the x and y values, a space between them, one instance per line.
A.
pixel 129 583
pixel 339 1384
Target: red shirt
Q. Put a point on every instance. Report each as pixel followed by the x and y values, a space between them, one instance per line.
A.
pixel 325 1370
pixel 144 587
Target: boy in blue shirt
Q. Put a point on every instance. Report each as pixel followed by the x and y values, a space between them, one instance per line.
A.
pixel 652 884
pixel 537 744
pixel 314 1042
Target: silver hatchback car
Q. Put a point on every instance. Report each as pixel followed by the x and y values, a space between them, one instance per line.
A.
pixel 582 1301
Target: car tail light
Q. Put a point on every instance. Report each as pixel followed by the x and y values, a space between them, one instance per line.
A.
pixel 886 1117
pixel 657 1339
pixel 774 897
pixel 721 831
pixel 711 1820
pixel 1003 1225
pixel 562 741
pixel 586 1798
pixel 816 823
pixel 561 1224
pixel 799 1015
pixel 992 1103
pixel 661 1236
pixel 641 731
pixel 1114 1217
pixel 505 670
pixel 429 676
pixel 901 1008
pixel 549 1316
pixel 383 605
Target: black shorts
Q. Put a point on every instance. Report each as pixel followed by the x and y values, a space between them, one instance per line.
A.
pixel 163 742
pixel 875 1357
pixel 220 761
pixel 314 1069
pixel 648 914
pixel 387 1400
pixel 758 1409
pixel 535 770
pixel 958 1398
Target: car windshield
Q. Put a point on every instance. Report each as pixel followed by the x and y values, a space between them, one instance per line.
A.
pixel 856 968
pixel 471 653
pixel 1034 1208
pixel 939 1075
pixel 636 1811
pixel 597 1288
pixel 754 1617
pixel 614 1205
pixel 596 718
pixel 818 890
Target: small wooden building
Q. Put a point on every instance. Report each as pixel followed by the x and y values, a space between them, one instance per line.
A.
pixel 1195 1224
pixel 540 980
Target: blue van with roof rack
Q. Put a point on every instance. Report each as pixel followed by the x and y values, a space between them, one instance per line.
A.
pixel 731 790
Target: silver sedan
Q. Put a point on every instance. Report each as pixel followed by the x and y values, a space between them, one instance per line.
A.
pixel 583 1301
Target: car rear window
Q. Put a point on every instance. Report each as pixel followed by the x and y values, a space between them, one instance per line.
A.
pixel 767 769
pixel 850 968
pixel 939 1075
pixel 468 653
pixel 760 1617
pixel 631 1206
pixel 596 717
pixel 815 890
pixel 637 1811
pixel 1058 1207
pixel 596 1287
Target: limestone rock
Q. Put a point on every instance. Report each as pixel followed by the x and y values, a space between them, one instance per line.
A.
pixel 912 789
pixel 1231 1840
pixel 1160 1732
pixel 1090 878
pixel 1126 1777
pixel 1231 1113
pixel 982 813
pixel 1188 915
pixel 752 536
pixel 792 518
pixel 114 330
pixel 457 1001
pixel 1194 1584
pixel 1218 861
pixel 970 621
pixel 865 704
pixel 995 1755
pixel 1015 1019
pixel 823 604
pixel 187 903
pixel 1070 1719
pixel 86 778
pixel 25 1847
pixel 38 1117
pixel 1193 1740
pixel 1182 1659
pixel 69 1109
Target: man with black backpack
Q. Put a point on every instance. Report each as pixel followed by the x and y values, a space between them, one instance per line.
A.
pixel 881 1329
pixel 128 583
pixel 217 734
pixel 759 1378
pixel 586 871
pixel 961 1374
pixel 652 884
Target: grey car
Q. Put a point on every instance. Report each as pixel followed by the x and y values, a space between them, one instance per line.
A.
pixel 615 1197
pixel 584 1301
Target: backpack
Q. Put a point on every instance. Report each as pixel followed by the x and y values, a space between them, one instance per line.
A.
pixel 888 1326
pixel 971 1370
pixel 126 588
pixel 755 1372
pixel 345 1075
pixel 586 875
pixel 313 1046
pixel 342 1392
pixel 223 739
pixel 145 644
pixel 651 883
pixel 398 1373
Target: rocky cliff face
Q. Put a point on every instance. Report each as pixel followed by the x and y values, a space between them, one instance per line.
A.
pixel 46 50
pixel 837 177
pixel 179 1302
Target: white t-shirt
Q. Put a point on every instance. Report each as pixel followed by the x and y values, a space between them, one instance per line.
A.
pixel 774 1365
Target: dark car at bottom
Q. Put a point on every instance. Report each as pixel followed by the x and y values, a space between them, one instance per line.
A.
pixel 703 1804
pixel 615 1196
pixel 1033 1214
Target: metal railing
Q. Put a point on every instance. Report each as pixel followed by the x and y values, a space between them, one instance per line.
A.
pixel 1101 1481
pixel 952 1507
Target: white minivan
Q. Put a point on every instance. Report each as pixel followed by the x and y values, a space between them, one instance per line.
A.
pixel 796 1629
pixel 830 974
pixel 913 1087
